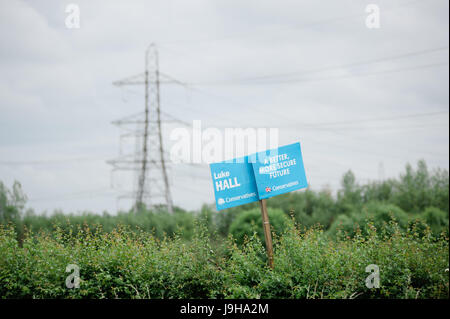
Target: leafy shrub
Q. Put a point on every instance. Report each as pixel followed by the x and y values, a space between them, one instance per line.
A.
pixel 343 223
pixel 436 219
pixel 413 191
pixel 399 224
pixel 130 264
pixel 382 213
pixel 249 222
pixel 379 214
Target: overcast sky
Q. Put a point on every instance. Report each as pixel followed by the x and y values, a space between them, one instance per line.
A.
pixel 370 100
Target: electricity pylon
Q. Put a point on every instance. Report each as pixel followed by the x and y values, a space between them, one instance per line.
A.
pixel 148 160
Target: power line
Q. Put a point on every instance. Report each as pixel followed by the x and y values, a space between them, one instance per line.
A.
pixel 361 151
pixel 408 54
pixel 282 126
pixel 191 190
pixel 412 68
pixel 322 69
pixel 296 27
pixel 75 195
pixel 392 118
pixel 241 106
pixel 51 161
pixel 346 76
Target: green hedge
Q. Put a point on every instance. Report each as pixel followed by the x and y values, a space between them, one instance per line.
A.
pixel 135 264
pixel 249 222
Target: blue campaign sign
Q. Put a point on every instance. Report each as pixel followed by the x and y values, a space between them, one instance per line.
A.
pixel 279 171
pixel 234 183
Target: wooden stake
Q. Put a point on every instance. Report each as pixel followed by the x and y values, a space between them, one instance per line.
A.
pixel 267 233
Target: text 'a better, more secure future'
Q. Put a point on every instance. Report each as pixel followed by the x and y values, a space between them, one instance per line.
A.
pixel 258 176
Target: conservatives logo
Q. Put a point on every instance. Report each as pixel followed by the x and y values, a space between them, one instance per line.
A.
pixel 221 201
pixel 268 189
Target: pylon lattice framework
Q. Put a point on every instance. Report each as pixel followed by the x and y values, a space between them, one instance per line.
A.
pixel 148 161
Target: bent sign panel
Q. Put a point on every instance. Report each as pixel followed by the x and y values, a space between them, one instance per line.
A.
pixel 234 183
pixel 258 176
pixel 280 173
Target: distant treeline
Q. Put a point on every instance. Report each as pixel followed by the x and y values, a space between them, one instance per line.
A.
pixel 418 194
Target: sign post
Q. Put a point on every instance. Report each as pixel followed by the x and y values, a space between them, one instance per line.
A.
pixel 241 180
pixel 267 234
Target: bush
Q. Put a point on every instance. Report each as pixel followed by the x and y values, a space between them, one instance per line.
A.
pixel 343 223
pixel 436 219
pixel 379 214
pixel 249 222
pixel 382 213
pixel 128 264
pixel 416 190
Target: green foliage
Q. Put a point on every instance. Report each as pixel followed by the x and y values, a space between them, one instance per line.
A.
pixel 12 202
pixel 436 219
pixel 414 192
pixel 402 225
pixel 419 189
pixel 249 222
pixel 158 222
pixel 130 264
pixel 350 192
pixel 382 213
